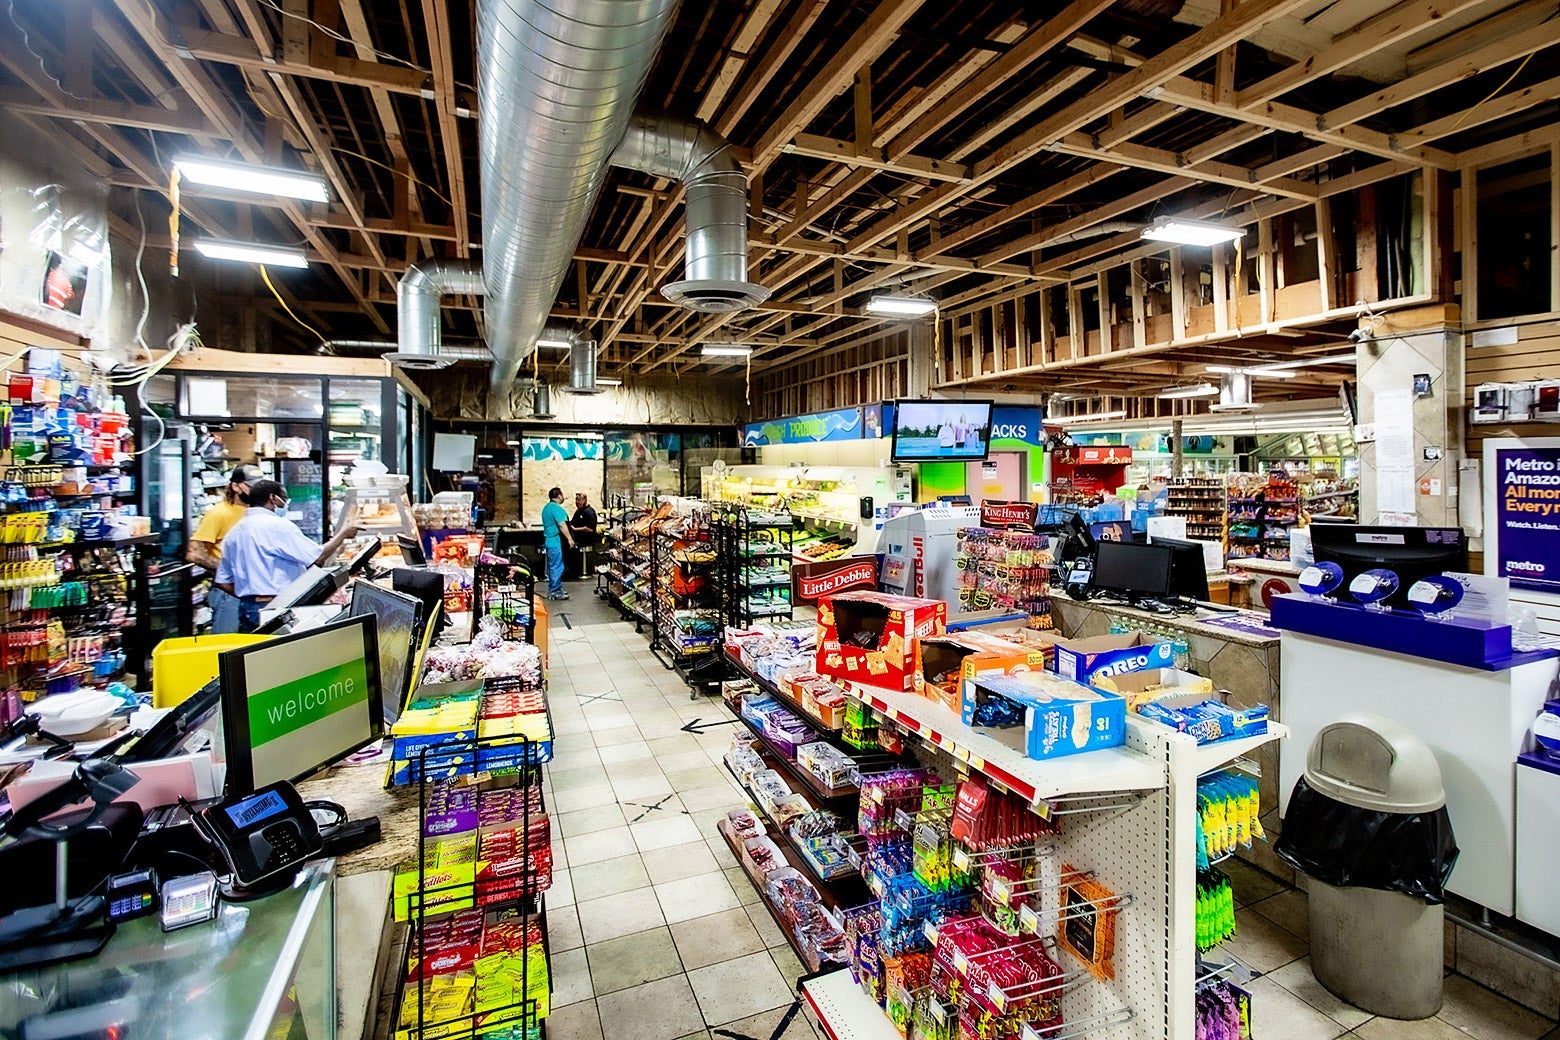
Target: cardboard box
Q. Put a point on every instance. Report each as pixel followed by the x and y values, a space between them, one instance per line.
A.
pixel 1082 660
pixel 1061 717
pixel 966 656
pixel 892 625
pixel 1154 684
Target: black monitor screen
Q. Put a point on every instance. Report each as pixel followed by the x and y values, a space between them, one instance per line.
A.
pixel 399 619
pixel 295 704
pixel 1188 569
pixel 411 550
pixel 1137 570
pixel 1411 553
pixel 425 585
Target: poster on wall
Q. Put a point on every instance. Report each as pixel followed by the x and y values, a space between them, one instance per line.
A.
pixel 1522 511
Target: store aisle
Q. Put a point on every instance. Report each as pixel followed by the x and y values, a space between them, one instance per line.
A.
pixel 656 933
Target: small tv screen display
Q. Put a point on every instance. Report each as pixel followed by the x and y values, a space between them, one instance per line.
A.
pixel 941 431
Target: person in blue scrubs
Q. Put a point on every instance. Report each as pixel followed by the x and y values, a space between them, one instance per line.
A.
pixel 555 535
pixel 265 552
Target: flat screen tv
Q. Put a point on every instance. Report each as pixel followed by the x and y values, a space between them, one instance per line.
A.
pixel 941 431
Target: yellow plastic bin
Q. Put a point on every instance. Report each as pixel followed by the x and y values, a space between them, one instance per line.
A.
pixel 183 665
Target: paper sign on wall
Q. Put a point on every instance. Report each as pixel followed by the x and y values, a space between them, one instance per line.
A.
pixel 1395 452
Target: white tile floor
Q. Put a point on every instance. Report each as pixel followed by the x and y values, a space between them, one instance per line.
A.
pixel 657 934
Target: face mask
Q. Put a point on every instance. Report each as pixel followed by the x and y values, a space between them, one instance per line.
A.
pixel 280 510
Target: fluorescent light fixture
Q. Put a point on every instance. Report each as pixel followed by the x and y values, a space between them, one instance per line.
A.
pixel 608 382
pixel 1264 371
pixel 558 344
pixel 257 180
pixel 252 253
pixel 901 306
pixel 1178 393
pixel 1068 420
pixel 1181 232
pixel 725 350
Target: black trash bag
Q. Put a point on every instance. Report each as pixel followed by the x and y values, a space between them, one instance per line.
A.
pixel 1347 846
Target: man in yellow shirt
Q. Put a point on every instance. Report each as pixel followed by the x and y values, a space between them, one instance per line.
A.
pixel 205 549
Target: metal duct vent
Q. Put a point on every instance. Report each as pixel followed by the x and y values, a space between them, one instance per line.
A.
pixel 582 367
pixel 715 190
pixel 419 295
pixel 1235 394
pixel 541 402
pixel 557 80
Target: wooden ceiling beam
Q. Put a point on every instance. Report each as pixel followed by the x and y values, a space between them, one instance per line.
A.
pixel 1482 113
pixel 735 57
pixel 1482 59
pixel 1159 161
pixel 769 66
pixel 56 105
pixel 851 154
pixel 1391 26
pixel 869 41
pixel 1044 197
pixel 436 14
pixel 1272 114
pixel 224 49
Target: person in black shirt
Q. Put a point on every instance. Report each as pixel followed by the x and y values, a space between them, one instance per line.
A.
pixel 584 521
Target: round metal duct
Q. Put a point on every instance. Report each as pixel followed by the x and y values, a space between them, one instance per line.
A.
pixel 541 402
pixel 582 368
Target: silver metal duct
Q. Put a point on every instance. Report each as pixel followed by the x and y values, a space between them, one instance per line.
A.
pixel 419 295
pixel 1234 393
pixel 715 189
pixel 541 402
pixel 582 368
pixel 556 83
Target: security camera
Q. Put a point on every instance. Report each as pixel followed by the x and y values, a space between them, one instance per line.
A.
pixel 1358 336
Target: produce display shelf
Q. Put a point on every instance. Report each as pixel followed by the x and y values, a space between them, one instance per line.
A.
pixel 1037 782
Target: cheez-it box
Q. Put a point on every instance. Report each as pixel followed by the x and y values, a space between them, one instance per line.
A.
pixel 870 637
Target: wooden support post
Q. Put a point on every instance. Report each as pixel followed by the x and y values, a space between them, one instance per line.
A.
pixel 756 195
pixel 1221 288
pixel 1365 279
pixel 295 32
pixel 863 108
pixel 322 49
pixel 1177 296
pixel 1326 254
pixel 1554 227
pixel 1267 268
pixel 582 277
pixel 1107 326
pixel 977 343
pixel 1047 331
pixel 1470 244
pixel 1077 339
pixel 999 339
pixel 1139 304
pixel 1430 273
pixel 1024 352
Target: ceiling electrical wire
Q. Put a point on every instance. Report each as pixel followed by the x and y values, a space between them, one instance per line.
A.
pixel 27 42
pixel 399 173
pixel 265 276
pixel 333 34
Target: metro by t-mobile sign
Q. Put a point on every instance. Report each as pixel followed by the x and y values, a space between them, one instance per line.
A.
pixel 813 581
pixel 1007 514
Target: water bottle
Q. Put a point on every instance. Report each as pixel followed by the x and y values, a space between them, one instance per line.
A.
pixel 1182 651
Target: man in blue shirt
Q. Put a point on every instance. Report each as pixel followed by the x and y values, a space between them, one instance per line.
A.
pixel 555 535
pixel 265 552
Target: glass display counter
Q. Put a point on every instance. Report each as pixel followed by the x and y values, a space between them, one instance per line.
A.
pixel 258 970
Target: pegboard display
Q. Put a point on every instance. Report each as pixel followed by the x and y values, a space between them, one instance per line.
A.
pixel 1138 842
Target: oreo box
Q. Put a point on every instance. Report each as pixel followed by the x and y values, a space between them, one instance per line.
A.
pixel 1082 660
pixel 1061 717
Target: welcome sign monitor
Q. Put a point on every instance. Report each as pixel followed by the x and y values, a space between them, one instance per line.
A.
pixel 297 703
pixel 941 431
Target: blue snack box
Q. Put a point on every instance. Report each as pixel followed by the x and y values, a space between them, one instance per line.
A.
pixel 1082 659
pixel 1061 717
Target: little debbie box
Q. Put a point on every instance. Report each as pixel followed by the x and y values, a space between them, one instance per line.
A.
pixel 870 637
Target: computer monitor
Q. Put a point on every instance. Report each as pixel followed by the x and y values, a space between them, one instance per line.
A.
pixel 425 585
pixel 1411 553
pixel 1188 569
pixel 1135 571
pixel 361 556
pixel 295 704
pixel 400 620
pixel 412 550
pixel 311 588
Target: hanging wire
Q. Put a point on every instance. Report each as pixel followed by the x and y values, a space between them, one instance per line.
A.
pixel 399 173
pixel 333 34
pixel 265 276
pixel 27 42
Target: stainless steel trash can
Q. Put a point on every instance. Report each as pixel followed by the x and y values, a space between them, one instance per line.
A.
pixel 1378 949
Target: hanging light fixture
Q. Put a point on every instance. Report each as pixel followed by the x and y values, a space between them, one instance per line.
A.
pixel 1183 232
pixel 252 253
pixel 725 350
pixel 896 306
pixel 275 181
